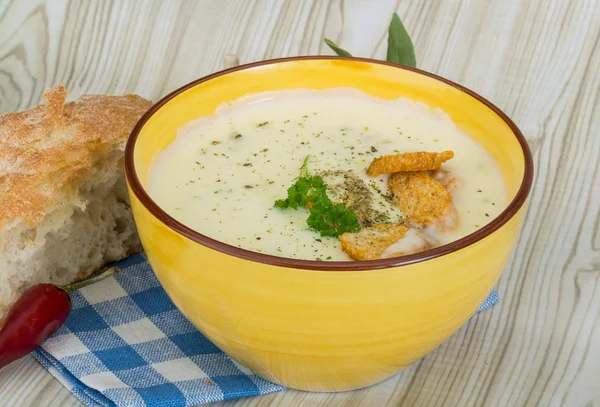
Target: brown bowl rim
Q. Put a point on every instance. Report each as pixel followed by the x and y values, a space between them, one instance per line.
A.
pixel 496 223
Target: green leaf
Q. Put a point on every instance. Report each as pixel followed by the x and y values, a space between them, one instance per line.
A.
pixel 400 47
pixel 340 51
pixel 303 191
pixel 332 220
pixel 324 217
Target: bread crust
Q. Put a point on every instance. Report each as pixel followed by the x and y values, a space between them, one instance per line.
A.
pixel 45 148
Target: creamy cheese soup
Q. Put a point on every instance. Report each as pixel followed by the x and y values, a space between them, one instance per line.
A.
pixel 223 173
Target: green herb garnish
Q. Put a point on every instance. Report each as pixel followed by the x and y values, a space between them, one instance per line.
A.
pixel 325 217
pixel 332 220
pixel 303 191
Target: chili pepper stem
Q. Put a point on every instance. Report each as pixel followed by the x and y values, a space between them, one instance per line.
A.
pixel 80 284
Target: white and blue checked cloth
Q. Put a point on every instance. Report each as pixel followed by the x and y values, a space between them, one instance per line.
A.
pixel 125 344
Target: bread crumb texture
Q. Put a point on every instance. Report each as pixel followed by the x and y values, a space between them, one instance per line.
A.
pixel 64 210
pixel 423 200
pixel 371 242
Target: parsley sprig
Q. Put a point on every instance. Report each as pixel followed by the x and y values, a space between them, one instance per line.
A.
pixel 325 217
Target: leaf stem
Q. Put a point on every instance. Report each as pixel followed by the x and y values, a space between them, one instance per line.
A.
pixel 304 169
pixel 84 283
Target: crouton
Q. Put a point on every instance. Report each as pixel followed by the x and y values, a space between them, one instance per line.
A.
pixel 384 241
pixel 417 161
pixel 423 200
pixel 371 242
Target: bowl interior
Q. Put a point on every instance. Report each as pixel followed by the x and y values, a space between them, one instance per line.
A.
pixel 471 113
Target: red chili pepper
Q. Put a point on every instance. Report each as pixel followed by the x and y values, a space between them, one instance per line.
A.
pixel 35 316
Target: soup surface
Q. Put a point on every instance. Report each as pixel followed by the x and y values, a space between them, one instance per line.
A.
pixel 223 173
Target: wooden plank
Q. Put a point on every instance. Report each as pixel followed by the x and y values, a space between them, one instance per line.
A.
pixel 537 60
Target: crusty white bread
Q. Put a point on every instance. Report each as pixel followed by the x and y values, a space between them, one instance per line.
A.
pixel 64 209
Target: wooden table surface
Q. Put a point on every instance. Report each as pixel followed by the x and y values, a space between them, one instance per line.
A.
pixel 538 60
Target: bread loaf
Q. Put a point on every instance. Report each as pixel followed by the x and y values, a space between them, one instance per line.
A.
pixel 64 209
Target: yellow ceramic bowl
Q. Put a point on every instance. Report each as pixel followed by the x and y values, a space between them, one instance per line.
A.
pixel 326 326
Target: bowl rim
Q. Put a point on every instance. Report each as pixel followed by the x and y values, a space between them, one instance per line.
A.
pixel 508 213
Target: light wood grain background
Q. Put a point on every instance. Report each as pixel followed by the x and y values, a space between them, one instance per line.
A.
pixel 538 60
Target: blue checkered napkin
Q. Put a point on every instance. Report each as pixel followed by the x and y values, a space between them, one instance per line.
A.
pixel 125 344
pixel 492 299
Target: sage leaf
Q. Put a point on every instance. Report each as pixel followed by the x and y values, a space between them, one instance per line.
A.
pixel 340 51
pixel 400 47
